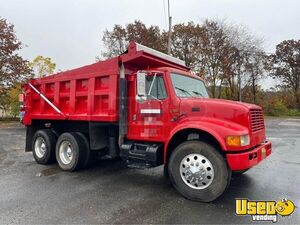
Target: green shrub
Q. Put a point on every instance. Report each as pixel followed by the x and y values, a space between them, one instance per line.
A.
pixel 293 112
pixel 278 108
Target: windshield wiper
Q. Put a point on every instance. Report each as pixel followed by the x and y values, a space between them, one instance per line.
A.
pixel 198 93
pixel 183 90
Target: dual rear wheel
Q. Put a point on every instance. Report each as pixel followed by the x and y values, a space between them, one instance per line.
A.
pixel 71 150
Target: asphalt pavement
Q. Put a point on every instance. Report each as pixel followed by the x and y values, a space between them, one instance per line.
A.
pixel 109 192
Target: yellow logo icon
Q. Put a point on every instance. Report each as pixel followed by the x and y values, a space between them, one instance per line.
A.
pixel 264 210
pixel 285 207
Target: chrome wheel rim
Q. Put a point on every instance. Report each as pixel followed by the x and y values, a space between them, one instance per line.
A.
pixel 196 171
pixel 66 152
pixel 40 147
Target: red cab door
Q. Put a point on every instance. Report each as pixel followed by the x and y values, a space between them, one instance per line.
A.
pixel 148 117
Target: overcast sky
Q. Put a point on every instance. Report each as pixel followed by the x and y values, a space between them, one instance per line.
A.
pixel 69 31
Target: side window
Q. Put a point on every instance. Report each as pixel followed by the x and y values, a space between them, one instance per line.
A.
pixel 158 90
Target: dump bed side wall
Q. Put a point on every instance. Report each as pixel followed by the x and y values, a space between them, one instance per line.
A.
pixel 88 93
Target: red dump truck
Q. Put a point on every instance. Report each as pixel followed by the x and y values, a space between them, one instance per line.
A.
pixel 149 109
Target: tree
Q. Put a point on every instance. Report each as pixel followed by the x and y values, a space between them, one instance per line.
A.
pixel 211 49
pixel 42 66
pixel 13 97
pixel 184 42
pixel 255 66
pixel 225 55
pixel 116 41
pixel 286 66
pixel 242 62
pixel 4 101
pixel 150 36
pixel 13 68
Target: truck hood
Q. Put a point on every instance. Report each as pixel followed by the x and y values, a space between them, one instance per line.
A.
pixel 226 110
pixel 226 113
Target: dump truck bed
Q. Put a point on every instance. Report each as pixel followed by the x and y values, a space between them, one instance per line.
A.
pixel 86 93
pixel 89 93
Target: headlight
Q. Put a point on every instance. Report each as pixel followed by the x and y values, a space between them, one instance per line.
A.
pixel 238 141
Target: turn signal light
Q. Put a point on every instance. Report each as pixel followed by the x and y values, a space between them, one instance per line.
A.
pixel 237 141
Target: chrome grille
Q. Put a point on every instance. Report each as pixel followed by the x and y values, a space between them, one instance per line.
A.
pixel 257 120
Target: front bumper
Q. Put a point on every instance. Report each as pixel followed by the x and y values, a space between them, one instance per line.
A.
pixel 248 159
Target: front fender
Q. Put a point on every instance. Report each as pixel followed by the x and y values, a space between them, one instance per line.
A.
pixel 219 129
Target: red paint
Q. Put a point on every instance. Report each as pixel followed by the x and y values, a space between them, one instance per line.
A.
pixel 245 160
pixel 90 93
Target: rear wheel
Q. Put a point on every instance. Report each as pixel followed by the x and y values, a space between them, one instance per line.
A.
pixel 198 171
pixel 71 151
pixel 88 154
pixel 43 147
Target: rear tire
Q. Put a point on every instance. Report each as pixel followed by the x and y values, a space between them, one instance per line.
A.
pixel 198 171
pixel 88 155
pixel 71 151
pixel 43 147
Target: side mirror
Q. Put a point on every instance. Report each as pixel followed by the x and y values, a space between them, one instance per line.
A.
pixel 141 86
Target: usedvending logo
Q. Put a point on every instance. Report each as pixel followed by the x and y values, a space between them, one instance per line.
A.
pixel 264 210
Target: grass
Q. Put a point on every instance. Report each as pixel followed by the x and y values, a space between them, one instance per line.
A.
pixel 283 113
pixel 9 119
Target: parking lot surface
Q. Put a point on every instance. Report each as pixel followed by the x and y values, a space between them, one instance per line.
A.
pixel 109 192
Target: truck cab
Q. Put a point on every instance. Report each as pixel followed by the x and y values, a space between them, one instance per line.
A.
pixel 149 109
pixel 172 107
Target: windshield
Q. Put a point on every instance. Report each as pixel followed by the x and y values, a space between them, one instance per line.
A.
pixel 185 86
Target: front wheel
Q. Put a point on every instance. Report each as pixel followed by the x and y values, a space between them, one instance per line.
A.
pixel 239 172
pixel 198 171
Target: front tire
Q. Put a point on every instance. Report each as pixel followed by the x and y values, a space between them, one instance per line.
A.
pixel 43 147
pixel 239 172
pixel 198 171
pixel 71 151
